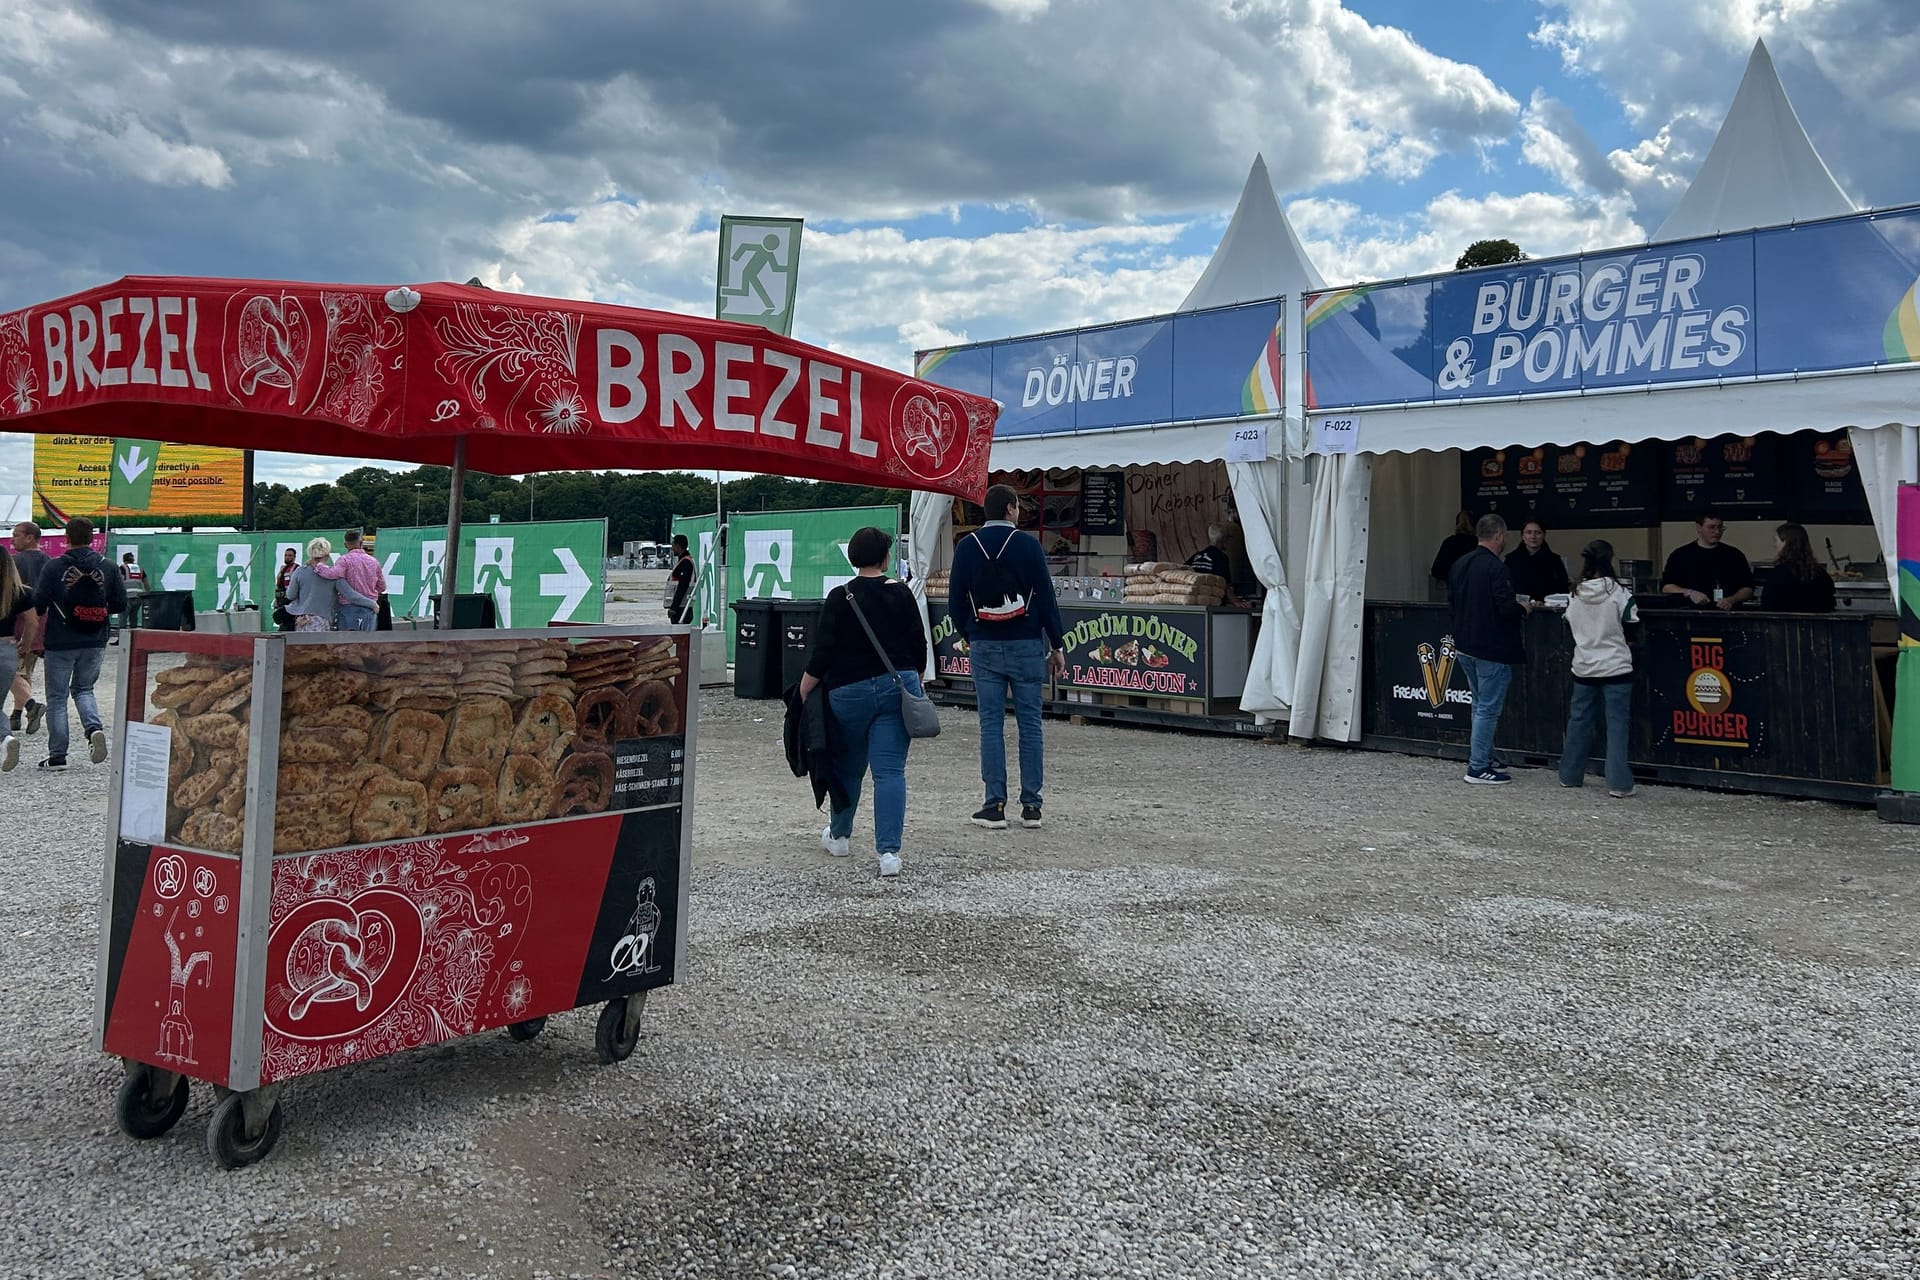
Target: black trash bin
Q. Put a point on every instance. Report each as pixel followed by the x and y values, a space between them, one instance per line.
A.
pixel 756 650
pixel 472 611
pixel 798 620
pixel 161 610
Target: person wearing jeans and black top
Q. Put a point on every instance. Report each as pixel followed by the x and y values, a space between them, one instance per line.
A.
pixel 869 733
pixel 1486 639
pixel 1001 595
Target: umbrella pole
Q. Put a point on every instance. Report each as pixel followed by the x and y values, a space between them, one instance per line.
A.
pixel 450 563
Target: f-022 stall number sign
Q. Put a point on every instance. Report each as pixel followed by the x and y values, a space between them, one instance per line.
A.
pixel 1148 654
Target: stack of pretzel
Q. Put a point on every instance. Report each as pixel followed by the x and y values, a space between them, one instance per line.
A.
pixel 1157 582
pixel 937 583
pixel 402 740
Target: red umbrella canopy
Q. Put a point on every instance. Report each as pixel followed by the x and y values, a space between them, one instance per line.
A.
pixel 532 384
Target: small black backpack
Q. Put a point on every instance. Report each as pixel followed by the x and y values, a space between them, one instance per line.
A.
pixel 998 594
pixel 83 598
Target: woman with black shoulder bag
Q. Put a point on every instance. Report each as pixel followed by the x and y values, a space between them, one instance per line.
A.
pixel 868 651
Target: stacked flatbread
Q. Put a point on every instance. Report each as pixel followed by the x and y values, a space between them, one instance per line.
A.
pixel 937 584
pixel 1157 582
pixel 405 739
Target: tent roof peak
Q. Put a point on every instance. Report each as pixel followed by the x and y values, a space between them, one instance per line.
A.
pixel 1259 256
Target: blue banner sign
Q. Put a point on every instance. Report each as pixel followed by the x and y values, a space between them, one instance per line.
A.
pixel 1192 367
pixel 1821 296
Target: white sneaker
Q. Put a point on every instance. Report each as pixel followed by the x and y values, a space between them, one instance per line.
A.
pixel 10 754
pixel 889 864
pixel 97 746
pixel 837 846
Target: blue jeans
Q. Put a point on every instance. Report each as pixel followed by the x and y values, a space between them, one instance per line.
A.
pixel 74 670
pixel 1489 682
pixel 1015 669
pixel 353 617
pixel 872 735
pixel 1582 719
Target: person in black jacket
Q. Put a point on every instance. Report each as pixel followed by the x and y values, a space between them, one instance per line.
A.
pixel 1536 568
pixel 1486 639
pixel 851 667
pixel 1001 595
pixel 1455 545
pixel 77 593
pixel 1796 583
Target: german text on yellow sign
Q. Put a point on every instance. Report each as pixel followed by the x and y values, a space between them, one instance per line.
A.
pixel 70 475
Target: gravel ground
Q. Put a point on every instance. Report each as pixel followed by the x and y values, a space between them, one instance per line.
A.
pixel 1238 1010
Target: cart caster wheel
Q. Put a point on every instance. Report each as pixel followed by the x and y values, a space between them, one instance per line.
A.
pixel 525 1031
pixel 227 1140
pixel 142 1114
pixel 619 1029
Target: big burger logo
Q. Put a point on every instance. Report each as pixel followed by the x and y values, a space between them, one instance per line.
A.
pixel 1709 720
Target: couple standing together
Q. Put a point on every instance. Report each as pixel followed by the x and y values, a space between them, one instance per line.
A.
pixel 1001 594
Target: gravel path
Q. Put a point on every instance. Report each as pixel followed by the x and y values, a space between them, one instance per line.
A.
pixel 1239 1010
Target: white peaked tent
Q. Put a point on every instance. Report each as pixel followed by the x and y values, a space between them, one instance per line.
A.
pixel 1259 256
pixel 1762 170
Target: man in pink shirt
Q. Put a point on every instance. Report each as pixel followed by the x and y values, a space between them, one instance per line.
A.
pixel 362 573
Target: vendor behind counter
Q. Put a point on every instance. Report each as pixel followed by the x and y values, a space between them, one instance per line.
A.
pixel 1707 570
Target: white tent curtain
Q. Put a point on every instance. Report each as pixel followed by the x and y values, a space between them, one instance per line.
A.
pixel 929 547
pixel 1887 459
pixel 1260 494
pixel 1333 602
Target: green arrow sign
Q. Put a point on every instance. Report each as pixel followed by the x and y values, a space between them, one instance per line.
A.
pixel 130 482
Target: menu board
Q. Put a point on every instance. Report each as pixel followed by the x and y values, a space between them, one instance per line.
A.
pixel 1735 476
pixel 1826 478
pixel 1564 486
pixel 1103 496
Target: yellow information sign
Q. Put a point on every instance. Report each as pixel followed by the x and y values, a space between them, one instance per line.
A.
pixel 70 479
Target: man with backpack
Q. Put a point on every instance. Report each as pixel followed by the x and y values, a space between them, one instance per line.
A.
pixel 1001 594
pixel 77 593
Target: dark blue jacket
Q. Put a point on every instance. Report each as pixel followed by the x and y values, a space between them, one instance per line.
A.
pixel 1486 616
pixel 50 597
pixel 1029 566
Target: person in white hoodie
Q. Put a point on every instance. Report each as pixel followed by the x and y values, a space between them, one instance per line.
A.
pixel 1599 614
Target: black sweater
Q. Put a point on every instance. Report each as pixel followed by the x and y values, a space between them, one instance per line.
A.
pixel 841 652
pixel 1486 617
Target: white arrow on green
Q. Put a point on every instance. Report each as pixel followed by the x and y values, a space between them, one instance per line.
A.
pixel 130 483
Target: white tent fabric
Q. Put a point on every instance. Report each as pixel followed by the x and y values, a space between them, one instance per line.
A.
pixel 1327 692
pixel 1762 170
pixel 1125 447
pixel 929 547
pixel 1260 493
pixel 1887 458
pixel 1259 256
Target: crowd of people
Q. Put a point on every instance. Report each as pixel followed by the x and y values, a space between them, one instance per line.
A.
pixel 1490 591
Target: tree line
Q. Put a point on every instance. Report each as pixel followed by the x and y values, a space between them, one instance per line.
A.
pixel 638 508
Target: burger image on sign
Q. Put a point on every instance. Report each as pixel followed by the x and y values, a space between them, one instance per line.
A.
pixel 1710 692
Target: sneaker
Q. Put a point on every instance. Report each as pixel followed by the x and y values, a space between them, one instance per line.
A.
pixel 836 846
pixel 97 745
pixel 1621 795
pixel 1029 815
pixel 889 865
pixel 53 764
pixel 35 710
pixel 991 816
pixel 1490 778
pixel 14 722
pixel 10 754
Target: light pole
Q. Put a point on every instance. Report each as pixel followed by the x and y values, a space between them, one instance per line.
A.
pixel 529 497
pixel 416 503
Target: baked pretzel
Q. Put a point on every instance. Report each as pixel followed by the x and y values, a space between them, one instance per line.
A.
pixel 202 787
pixel 410 743
pixel 214 690
pixel 478 733
pixel 652 709
pixel 232 798
pixel 390 809
pixel 582 784
pixel 460 800
pixel 599 716
pixel 344 716
pixel 545 721
pixel 318 690
pixel 526 790
pixel 180 758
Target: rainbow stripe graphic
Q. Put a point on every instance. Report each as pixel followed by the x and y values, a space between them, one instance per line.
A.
pixel 930 361
pixel 1260 393
pixel 1901 337
pixel 1318 309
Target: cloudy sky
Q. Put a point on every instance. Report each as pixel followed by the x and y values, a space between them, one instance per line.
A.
pixel 968 169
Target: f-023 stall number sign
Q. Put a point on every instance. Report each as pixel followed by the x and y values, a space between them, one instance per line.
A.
pixel 1148 654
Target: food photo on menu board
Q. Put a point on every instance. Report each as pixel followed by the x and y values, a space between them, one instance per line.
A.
pixel 1591 485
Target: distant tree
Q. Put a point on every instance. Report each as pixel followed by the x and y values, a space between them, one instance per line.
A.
pixel 1489 253
pixel 282 512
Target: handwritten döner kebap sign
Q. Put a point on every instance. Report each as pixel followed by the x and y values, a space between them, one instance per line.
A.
pixel 534 384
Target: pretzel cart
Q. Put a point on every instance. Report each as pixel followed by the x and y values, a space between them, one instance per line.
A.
pixel 323 850
pixel 330 849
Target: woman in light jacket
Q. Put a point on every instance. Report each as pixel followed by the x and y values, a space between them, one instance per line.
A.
pixel 1599 615
pixel 315 601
